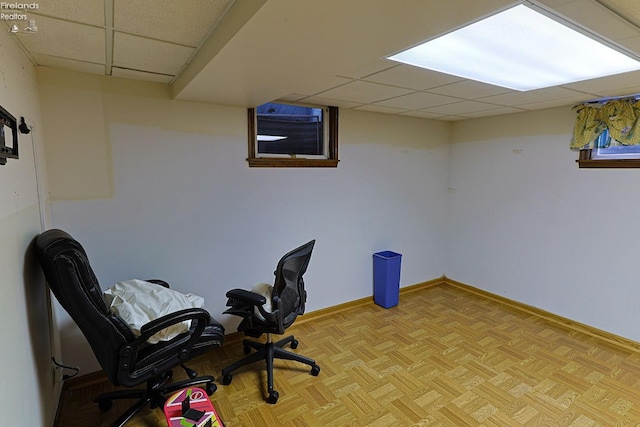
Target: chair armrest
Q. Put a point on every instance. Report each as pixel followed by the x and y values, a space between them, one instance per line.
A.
pixel 244 303
pixel 156 325
pixel 243 297
pixel 167 355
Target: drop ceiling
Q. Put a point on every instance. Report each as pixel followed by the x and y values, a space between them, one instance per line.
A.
pixel 331 52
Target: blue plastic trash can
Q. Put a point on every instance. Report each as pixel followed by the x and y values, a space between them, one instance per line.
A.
pixel 386 278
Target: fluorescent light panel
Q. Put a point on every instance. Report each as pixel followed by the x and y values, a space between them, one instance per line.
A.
pixel 521 49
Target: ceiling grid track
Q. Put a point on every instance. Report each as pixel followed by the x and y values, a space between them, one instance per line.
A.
pixel 108 36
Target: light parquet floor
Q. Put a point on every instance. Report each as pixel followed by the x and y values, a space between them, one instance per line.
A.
pixel 442 357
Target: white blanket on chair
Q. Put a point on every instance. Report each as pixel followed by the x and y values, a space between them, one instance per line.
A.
pixel 265 290
pixel 138 302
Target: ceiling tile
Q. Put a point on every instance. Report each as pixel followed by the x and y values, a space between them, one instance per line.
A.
pixel 469 89
pixel 362 69
pixel 515 98
pixel 556 102
pixel 494 112
pixel 422 114
pixel 140 75
pixel 411 77
pixel 452 118
pixel 320 84
pixel 463 107
pixel 555 3
pixel 632 43
pixel 292 97
pixel 67 64
pixel 321 100
pixel 607 84
pixel 185 22
pixel 597 18
pixel 87 11
pixel 418 101
pixel 328 59
pixel 380 109
pixel 67 40
pixel 622 91
pixel 143 54
pixel 630 9
pixel 363 92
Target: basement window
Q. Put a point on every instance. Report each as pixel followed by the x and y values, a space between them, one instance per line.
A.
pixel 293 135
pixel 609 153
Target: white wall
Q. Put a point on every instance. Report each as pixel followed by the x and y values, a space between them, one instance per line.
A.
pixel 159 188
pixel 528 224
pixel 26 348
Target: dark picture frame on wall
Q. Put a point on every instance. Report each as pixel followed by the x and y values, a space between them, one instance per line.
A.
pixel 8 136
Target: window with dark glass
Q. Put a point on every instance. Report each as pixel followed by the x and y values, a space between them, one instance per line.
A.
pixel 282 134
pixel 290 129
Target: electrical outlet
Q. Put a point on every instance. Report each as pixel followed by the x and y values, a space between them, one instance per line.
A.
pixel 58 370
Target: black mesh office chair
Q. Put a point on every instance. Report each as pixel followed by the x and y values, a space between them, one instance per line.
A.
pixel 288 298
pixel 126 360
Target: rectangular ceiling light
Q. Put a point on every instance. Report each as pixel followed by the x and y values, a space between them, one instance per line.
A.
pixel 521 49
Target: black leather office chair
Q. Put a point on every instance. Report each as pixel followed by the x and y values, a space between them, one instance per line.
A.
pixel 288 298
pixel 127 361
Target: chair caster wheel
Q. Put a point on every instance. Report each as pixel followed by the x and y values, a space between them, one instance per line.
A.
pixel 211 388
pixel 294 344
pixel 226 380
pixel 190 372
pixel 315 370
pixel 247 349
pixel 273 397
pixel 105 405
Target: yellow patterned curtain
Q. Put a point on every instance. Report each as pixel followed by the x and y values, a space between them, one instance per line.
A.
pixel 621 117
